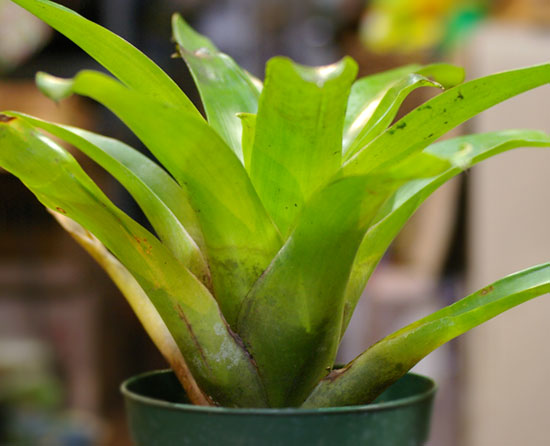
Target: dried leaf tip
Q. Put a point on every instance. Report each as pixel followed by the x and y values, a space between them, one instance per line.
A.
pixel 6 118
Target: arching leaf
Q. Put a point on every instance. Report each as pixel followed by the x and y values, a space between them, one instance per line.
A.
pixel 118 56
pixel 435 117
pixel 462 152
pixel 152 188
pixel 215 357
pixel 362 380
pixel 381 97
pixel 240 238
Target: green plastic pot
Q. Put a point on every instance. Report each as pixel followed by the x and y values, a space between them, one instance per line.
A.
pixel 158 415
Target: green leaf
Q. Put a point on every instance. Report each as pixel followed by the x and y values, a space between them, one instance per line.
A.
pixel 152 188
pixel 240 238
pixel 386 361
pixel 446 74
pixel 364 92
pixel 435 117
pixel 462 152
pixel 141 305
pixel 370 96
pixel 256 81
pixel 248 122
pixel 225 88
pixel 386 108
pixel 220 365
pixel 291 320
pixel 298 140
pixel 118 56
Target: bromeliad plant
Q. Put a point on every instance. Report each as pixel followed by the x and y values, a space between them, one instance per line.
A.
pixel 272 213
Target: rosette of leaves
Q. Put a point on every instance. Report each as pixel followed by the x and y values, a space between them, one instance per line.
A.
pixel 270 214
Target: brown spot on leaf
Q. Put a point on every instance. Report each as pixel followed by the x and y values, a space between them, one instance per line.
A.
pixel 147 248
pixel 6 118
pixel 486 290
pixel 58 209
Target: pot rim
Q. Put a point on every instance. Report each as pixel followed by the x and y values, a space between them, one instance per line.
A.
pixel 286 411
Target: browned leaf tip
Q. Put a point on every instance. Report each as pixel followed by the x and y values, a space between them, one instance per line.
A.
pixel 6 118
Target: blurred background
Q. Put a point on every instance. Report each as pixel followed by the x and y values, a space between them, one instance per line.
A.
pixel 67 337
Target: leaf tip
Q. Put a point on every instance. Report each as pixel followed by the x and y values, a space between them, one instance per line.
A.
pixel 4 119
pixel 55 88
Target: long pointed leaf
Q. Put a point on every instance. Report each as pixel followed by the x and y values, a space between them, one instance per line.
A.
pixel 225 88
pixel 144 180
pixel 240 238
pixel 215 357
pixel 463 152
pixel 298 139
pixel 141 305
pixel 385 362
pixel 386 109
pixel 291 320
pixel 363 93
pixel 118 56
pixel 435 117
pixel 368 92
